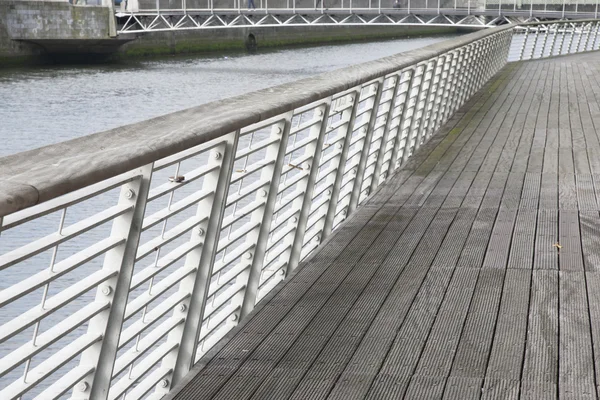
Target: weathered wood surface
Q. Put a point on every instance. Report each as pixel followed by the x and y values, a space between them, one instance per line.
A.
pixel 473 273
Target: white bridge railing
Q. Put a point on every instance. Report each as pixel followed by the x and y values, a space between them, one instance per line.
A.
pixel 126 255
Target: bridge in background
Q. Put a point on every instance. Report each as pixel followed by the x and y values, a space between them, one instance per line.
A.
pixel 161 15
pixel 422 225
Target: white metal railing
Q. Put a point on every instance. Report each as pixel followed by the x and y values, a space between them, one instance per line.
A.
pixel 126 255
pixel 540 40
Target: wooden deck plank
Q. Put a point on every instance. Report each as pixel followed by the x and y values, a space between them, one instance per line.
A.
pixel 474 273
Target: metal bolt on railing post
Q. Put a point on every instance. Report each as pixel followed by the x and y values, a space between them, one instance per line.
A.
pixel 340 161
pixel 205 260
pixel 259 236
pixel 373 104
pixel 121 259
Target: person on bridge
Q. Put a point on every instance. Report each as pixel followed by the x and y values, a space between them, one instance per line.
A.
pixel 319 2
pixel 251 3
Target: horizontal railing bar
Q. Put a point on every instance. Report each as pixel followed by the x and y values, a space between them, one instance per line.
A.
pixel 281 249
pixel 65 383
pixel 222 298
pixel 228 277
pixel 40 279
pixel 185 154
pixel 47 367
pixel 301 144
pixel 219 318
pixel 175 208
pixel 142 368
pixel 172 234
pixel 151 317
pixel 280 236
pixel 164 262
pixel 158 289
pixel 145 344
pixel 284 218
pixel 190 177
pixel 257 166
pixel 146 384
pixel 237 235
pixel 232 256
pixel 285 201
pixel 330 156
pixel 66 200
pixel 33 315
pixel 245 131
pixel 256 147
pixel 241 213
pixel 247 191
pixel 46 339
pixel 304 126
pixel 292 182
pixel 272 271
pixel 38 246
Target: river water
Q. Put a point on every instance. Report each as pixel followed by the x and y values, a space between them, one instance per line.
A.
pixel 45 105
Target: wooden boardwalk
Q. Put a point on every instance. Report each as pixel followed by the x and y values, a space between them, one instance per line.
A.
pixel 474 273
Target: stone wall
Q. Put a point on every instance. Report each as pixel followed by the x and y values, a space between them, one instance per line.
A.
pixel 26 25
pixel 195 41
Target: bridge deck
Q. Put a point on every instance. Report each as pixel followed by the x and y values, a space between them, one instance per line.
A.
pixel 474 273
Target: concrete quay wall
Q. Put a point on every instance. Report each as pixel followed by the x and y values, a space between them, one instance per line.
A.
pixel 198 41
pixel 28 29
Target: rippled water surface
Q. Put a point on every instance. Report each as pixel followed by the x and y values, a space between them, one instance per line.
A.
pixel 41 106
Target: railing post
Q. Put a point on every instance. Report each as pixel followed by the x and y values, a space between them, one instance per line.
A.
pixel 544 44
pixel 456 84
pixel 525 38
pixel 360 169
pixel 121 259
pixel 259 236
pixel 597 25
pixel 447 101
pixel 429 114
pixel 220 181
pixel 426 99
pixel 446 87
pixel 400 136
pixel 578 45
pixel 416 86
pixel 385 134
pixel 304 202
pixel 535 41
pixel 438 96
pixel 340 161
